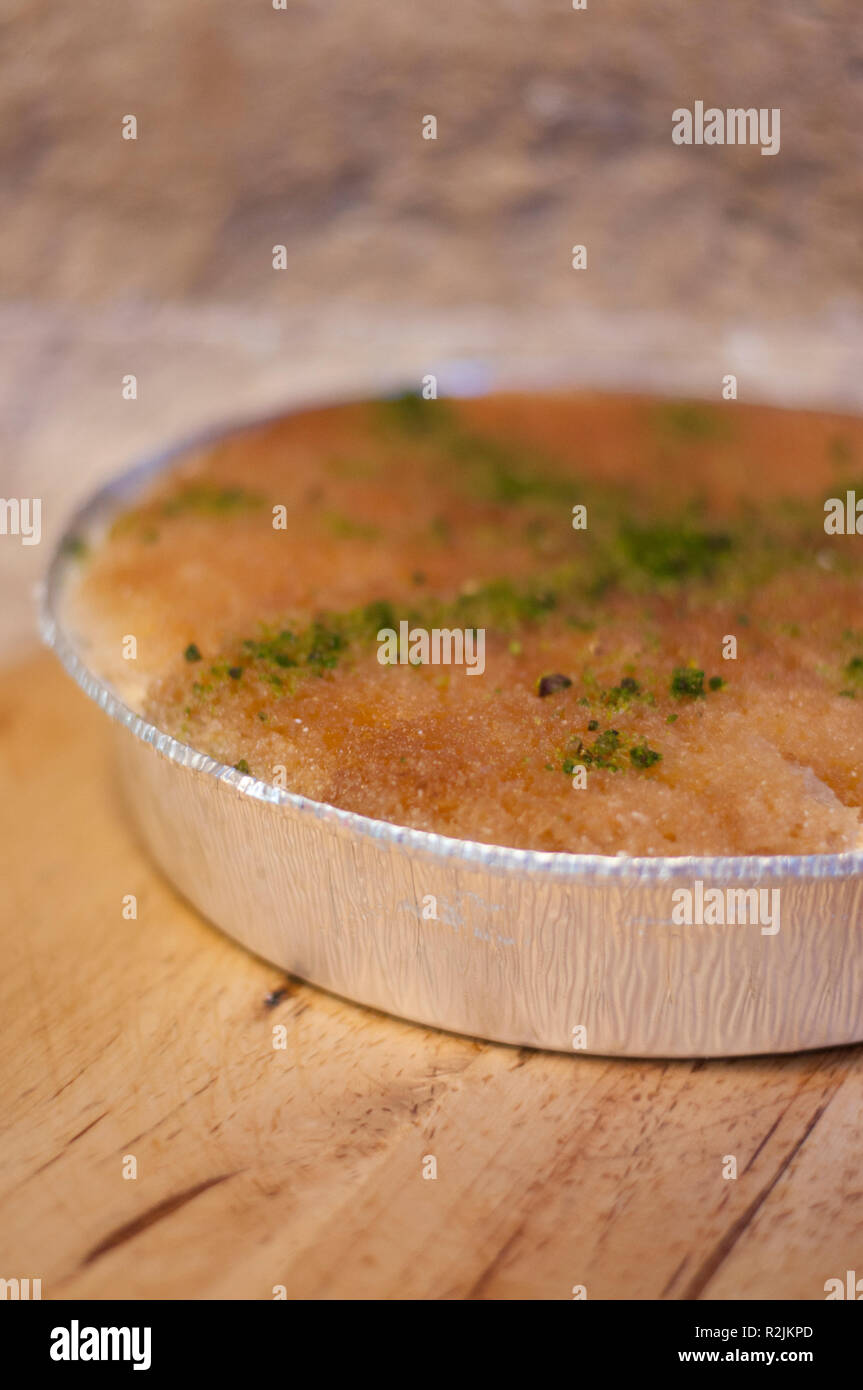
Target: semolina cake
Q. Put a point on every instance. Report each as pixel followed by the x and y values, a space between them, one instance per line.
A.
pixel 561 622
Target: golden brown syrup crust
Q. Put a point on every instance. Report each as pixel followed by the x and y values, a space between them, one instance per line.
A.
pixel 257 643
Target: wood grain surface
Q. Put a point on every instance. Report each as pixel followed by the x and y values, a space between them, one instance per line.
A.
pixel 303 1167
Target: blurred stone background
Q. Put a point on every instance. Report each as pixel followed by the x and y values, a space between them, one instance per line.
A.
pixel 303 127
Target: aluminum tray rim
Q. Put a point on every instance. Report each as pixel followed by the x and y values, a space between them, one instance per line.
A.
pixel 551 864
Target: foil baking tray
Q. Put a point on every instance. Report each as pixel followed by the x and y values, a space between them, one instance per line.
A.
pixel 578 953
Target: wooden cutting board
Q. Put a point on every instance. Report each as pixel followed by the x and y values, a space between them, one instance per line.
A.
pixel 302 1168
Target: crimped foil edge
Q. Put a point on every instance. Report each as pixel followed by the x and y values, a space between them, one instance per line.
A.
pixel 548 864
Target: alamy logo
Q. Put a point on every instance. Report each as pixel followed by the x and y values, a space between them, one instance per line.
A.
pixel 844 515
pixel 719 907
pixel 76 1343
pixel 733 126
pixel 440 646
pixel 20 1288
pixel 21 516
pixel 851 1287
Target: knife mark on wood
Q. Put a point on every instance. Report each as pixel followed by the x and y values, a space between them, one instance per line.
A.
pixel 166 1207
pixel 674 1278
pixel 86 1067
pixel 722 1250
pixel 769 1135
pixel 168 1113
pixel 482 1283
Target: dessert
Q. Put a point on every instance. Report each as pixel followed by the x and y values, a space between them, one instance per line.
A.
pixel 558 622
